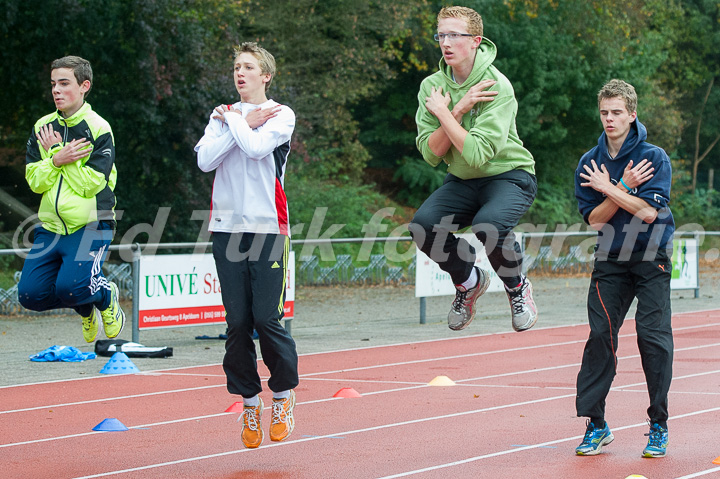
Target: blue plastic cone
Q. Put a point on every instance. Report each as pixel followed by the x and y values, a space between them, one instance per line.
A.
pixel 119 364
pixel 110 424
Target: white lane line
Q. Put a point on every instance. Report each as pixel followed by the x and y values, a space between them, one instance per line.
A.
pixel 502 351
pixel 569 365
pixel 701 473
pixel 364 381
pixel 302 376
pixel 480 378
pixel 327 436
pixel 372 393
pixel 566 326
pixel 159 373
pixel 535 446
pixel 116 398
pixel 91 433
pixel 399 424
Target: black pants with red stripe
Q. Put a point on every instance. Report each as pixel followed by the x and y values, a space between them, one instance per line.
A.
pixel 252 269
pixel 613 287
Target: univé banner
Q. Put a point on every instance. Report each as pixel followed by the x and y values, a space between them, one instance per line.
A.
pixel 184 290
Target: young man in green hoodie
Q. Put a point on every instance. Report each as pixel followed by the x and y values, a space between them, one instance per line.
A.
pixel 491 176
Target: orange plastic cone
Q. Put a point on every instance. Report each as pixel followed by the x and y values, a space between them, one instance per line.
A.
pixel 236 407
pixel 347 393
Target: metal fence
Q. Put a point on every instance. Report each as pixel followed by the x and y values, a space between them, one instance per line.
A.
pixel 312 271
pixel 342 271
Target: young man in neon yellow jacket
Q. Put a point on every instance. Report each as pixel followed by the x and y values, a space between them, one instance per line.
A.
pixel 491 175
pixel 71 162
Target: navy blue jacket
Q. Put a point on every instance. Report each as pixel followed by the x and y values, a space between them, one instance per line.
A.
pixel 625 233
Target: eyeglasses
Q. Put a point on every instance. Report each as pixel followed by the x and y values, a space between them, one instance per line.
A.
pixel 439 37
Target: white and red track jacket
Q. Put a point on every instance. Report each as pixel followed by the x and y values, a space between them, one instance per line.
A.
pixel 248 191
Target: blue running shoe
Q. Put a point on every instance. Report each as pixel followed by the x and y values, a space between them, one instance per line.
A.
pixel 657 442
pixel 594 440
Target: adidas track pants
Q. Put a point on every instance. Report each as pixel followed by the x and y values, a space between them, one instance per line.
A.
pixel 65 271
pixel 252 269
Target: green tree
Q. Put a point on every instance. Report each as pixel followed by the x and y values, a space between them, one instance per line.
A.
pixel 557 55
pixel 161 66
pixel 693 69
pixel 387 123
pixel 156 78
pixel 332 55
pixel 351 70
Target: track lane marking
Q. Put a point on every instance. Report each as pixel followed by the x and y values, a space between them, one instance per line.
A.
pixel 566 326
pixel 534 446
pixel 399 424
pixel 371 393
pixel 302 376
pixel 701 473
pixel 199 388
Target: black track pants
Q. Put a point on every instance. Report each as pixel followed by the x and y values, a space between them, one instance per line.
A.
pixel 613 287
pixel 492 206
pixel 252 269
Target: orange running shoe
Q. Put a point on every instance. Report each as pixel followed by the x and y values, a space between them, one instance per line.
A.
pixel 283 421
pixel 252 434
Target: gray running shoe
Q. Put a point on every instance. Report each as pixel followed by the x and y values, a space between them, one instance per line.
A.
pixel 462 311
pixel 522 306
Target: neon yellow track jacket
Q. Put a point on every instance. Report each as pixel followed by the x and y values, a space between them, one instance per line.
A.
pixel 81 192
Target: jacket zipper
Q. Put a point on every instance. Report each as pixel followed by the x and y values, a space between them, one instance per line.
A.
pixel 57 198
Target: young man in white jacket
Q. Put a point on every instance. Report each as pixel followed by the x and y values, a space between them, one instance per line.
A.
pixel 247 145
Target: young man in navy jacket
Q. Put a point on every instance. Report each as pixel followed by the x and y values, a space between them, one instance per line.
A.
pixel 623 189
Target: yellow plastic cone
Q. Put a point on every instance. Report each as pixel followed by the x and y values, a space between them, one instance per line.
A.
pixel 442 381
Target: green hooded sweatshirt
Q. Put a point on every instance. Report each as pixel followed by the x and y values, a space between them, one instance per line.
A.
pixel 492 146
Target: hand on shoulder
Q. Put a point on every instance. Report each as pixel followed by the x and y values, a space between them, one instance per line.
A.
pixel 259 116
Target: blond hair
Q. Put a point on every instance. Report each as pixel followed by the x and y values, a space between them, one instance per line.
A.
pixel 264 58
pixel 471 17
pixel 619 89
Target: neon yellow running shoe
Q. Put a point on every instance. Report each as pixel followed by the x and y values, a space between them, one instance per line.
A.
pixel 113 317
pixel 90 325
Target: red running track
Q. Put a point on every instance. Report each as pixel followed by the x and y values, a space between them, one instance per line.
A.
pixel 511 414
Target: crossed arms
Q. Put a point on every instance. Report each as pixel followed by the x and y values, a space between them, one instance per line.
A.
pixel 616 195
pixel 451 131
pixel 228 129
pixel 86 178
